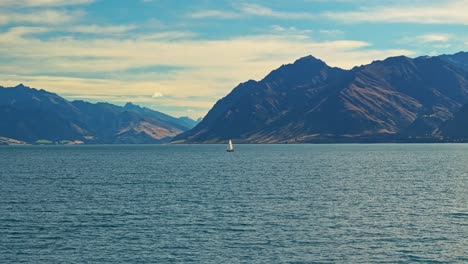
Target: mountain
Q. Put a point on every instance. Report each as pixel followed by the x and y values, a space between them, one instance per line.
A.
pixel 183 123
pixel 10 141
pixel 29 115
pixel 460 59
pixel 188 122
pixel 308 101
pixel 456 128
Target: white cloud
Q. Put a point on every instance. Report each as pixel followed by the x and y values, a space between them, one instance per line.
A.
pixel 168 35
pixel 50 17
pixel 332 33
pixel 157 95
pixel 99 29
pixel 214 14
pixel 245 9
pixel 433 38
pixel 434 42
pixel 39 3
pixel 442 46
pixel 207 68
pixel 439 12
pixel 259 10
pixel 291 32
pixel 248 57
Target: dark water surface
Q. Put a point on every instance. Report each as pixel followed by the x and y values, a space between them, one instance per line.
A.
pixel 260 204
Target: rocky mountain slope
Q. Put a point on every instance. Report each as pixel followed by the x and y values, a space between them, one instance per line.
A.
pixel 27 114
pixel 308 101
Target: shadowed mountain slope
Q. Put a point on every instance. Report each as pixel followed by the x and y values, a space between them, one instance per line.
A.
pixel 308 101
pixel 29 115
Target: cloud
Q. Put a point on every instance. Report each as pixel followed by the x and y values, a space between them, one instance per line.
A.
pixel 435 43
pixel 214 14
pixel 39 3
pixel 202 62
pixel 245 9
pixel 101 67
pixel 168 35
pixel 98 29
pixel 157 95
pixel 442 46
pixel 433 38
pixel 291 32
pixel 259 10
pixel 50 17
pixel 332 33
pixel 440 12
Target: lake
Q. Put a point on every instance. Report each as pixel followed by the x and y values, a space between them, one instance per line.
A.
pixel 261 204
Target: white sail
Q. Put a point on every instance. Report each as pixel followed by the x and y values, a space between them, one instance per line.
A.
pixel 230 147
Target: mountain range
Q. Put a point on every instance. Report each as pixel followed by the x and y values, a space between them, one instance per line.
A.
pixel 398 99
pixel 37 116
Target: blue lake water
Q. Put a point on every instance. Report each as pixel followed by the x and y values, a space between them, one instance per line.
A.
pixel 261 204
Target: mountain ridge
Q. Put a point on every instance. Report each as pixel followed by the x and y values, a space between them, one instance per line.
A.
pixel 30 115
pixel 309 101
pixel 398 99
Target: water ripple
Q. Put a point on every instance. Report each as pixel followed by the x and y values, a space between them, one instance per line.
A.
pixel 262 204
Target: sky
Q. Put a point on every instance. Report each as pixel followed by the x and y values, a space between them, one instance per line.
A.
pixel 180 57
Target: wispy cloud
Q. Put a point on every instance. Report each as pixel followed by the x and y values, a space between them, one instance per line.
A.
pixel 99 29
pixel 332 33
pixel 436 43
pixel 259 10
pixel 39 3
pixel 125 62
pixel 433 38
pixel 292 32
pixel 440 12
pixel 157 95
pixel 214 14
pixel 244 10
pixel 168 35
pixel 206 69
pixel 49 16
pixel 433 41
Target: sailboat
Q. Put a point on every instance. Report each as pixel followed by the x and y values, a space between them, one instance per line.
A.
pixel 230 147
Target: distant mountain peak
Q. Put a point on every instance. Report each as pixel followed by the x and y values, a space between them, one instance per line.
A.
pixel 189 119
pixel 309 59
pixel 305 66
pixel 425 57
pixel 31 114
pixel 308 101
pixel 460 59
pixel 461 53
pixel 21 86
pixel 398 64
pixel 134 107
pixel 395 60
pixel 130 105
